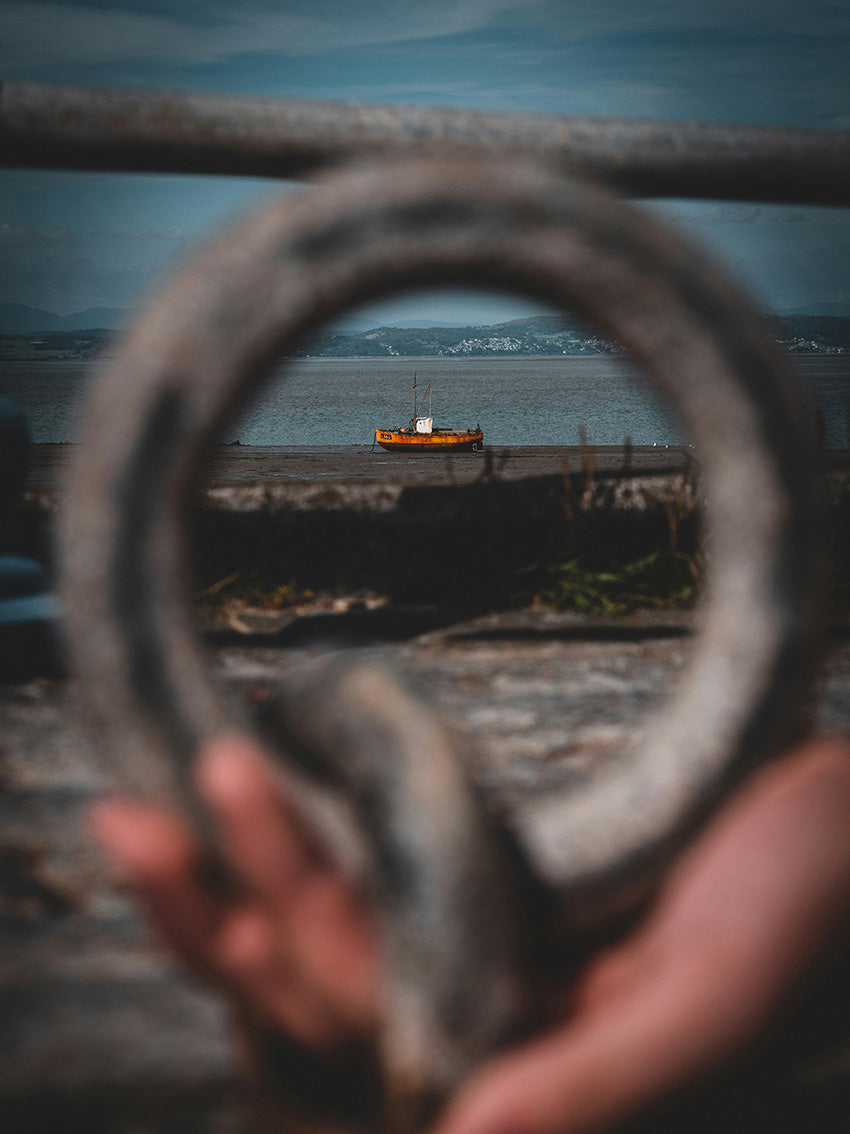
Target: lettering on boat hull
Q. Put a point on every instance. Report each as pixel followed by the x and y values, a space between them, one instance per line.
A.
pixel 438 441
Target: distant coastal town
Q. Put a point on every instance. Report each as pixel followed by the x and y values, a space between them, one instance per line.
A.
pixel 542 335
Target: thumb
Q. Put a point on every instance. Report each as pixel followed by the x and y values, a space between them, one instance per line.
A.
pixel 742 919
pixel 585 1076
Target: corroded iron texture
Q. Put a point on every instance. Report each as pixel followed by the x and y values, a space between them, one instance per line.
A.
pixel 177 132
pixel 193 358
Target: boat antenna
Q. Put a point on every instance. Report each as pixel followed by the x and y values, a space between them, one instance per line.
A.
pixel 418 409
pixel 414 395
pixel 395 411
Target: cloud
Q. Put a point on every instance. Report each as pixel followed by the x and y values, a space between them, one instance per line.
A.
pixel 60 282
pixel 158 232
pixel 39 32
pixel 752 214
pixel 592 18
pixel 768 60
pixel 69 268
pixel 737 214
pixel 794 277
pixel 32 236
pixel 35 33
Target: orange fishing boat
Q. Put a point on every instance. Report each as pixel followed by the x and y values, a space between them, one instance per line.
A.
pixel 420 435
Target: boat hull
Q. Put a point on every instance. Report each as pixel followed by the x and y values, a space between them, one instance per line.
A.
pixel 439 441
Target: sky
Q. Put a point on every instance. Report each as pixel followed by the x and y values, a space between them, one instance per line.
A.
pixel 70 241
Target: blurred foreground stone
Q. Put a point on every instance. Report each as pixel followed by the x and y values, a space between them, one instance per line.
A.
pixel 101 1032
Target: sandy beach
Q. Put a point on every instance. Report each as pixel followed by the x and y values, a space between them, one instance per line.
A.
pixel 241 464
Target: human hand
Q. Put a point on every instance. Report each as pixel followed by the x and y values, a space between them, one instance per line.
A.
pixel 741 919
pixel 292 945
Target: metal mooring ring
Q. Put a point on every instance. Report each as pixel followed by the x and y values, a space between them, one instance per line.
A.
pixel 206 339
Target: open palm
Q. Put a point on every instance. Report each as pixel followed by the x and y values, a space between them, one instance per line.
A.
pixel 737 925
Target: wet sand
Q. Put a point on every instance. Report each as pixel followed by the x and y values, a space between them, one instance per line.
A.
pixel 241 464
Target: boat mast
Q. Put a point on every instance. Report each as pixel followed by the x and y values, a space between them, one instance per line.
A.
pixel 414 399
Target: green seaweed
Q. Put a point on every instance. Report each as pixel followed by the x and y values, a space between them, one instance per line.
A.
pixel 664 578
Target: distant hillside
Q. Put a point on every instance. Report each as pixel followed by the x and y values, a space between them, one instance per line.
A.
pixel 841 310
pixel 550 335
pixel 55 346
pixel 19 319
pixel 543 334
pixel 427 323
pixel 353 325
pixel 812 334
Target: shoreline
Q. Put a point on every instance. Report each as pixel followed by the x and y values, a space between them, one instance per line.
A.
pixel 239 464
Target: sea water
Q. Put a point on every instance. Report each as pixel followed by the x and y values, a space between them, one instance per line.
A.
pixel 517 401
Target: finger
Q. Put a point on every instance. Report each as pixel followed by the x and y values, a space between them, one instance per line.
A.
pixel 334 948
pixel 260 834
pixel 323 931
pixel 234 946
pixel 248 956
pixel 159 858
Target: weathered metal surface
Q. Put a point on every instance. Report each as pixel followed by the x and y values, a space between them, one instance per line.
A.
pixel 191 361
pixel 177 132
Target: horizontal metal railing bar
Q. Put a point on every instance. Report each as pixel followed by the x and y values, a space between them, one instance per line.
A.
pixel 90 128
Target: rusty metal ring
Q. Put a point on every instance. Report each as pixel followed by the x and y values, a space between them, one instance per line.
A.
pixel 204 342
pixel 205 339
